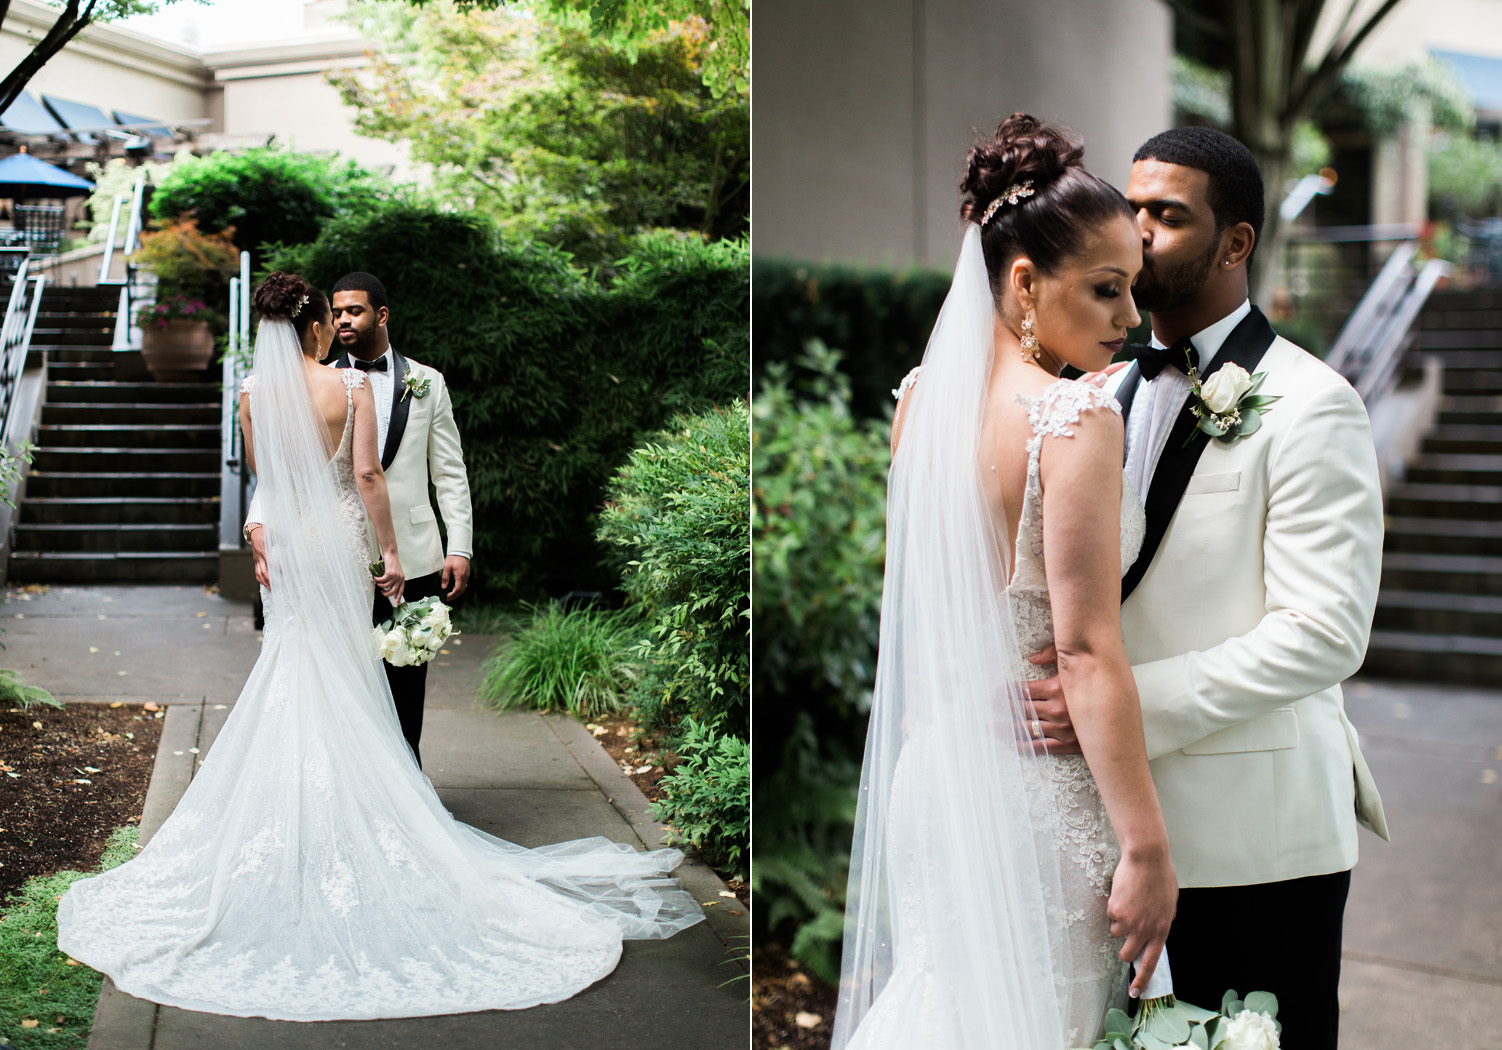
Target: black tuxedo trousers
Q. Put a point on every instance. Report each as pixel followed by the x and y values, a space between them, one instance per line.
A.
pixel 1279 937
pixel 409 685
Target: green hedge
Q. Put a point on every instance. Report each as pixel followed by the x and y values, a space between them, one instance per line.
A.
pixel 880 321
pixel 554 377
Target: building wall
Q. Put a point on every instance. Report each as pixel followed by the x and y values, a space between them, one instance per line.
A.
pixel 107 66
pixel 864 110
pixel 1416 27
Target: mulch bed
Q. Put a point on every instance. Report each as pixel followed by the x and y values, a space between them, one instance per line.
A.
pixel 642 758
pixel 790 1008
pixel 66 785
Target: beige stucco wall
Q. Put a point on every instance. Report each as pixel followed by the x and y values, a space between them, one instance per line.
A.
pixel 283 90
pixel 865 108
pixel 107 66
pixel 1416 27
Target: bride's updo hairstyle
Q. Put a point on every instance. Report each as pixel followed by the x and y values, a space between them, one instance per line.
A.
pixel 287 297
pixel 1047 221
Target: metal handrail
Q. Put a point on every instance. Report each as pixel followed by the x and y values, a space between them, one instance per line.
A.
pixel 231 469
pixel 15 339
pixel 1372 343
pixel 109 242
pixel 124 338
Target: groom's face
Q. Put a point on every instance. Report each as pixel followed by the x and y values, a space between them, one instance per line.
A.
pixel 1180 242
pixel 355 321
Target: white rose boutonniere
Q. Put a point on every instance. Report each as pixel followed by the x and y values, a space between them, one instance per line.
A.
pixel 415 384
pixel 1227 404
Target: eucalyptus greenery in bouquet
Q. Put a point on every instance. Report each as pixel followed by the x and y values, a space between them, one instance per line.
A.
pixel 1164 1022
pixel 415 632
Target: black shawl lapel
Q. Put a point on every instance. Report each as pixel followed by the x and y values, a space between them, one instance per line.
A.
pixel 1245 346
pixel 399 408
pixel 1126 394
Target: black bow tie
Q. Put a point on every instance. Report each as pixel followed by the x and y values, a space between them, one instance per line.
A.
pixel 1152 360
pixel 378 365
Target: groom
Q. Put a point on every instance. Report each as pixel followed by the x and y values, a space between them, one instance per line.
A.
pixel 1250 602
pixel 418 439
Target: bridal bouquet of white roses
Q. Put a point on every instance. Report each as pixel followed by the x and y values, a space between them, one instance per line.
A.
pixel 415 632
pixel 1162 1022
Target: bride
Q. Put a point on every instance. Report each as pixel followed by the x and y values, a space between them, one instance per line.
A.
pixel 310 871
pixel 996 892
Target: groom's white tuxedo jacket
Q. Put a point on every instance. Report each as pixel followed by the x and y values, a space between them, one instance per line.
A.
pixel 421 441
pixel 1250 602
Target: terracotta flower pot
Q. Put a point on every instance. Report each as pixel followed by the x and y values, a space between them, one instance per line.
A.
pixel 178 351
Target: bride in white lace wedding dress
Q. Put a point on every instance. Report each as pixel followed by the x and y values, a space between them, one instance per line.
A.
pixel 310 871
pixel 997 891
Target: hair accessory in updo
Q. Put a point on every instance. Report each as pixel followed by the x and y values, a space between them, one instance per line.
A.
pixel 300 304
pixel 1011 195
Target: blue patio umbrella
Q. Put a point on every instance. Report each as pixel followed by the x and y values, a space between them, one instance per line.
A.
pixel 23 176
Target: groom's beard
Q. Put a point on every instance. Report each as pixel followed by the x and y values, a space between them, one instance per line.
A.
pixel 1171 287
pixel 357 347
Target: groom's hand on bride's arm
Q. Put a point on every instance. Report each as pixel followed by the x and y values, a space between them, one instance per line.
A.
pixel 455 575
pixel 1052 712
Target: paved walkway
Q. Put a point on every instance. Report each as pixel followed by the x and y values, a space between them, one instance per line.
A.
pixel 529 778
pixel 1423 937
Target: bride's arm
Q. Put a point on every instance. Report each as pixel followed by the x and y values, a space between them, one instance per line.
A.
pixel 1082 560
pixel 371 480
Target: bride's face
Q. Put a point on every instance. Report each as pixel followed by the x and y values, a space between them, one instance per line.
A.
pixel 1083 310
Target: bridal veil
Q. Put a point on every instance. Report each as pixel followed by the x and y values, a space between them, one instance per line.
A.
pixel 952 933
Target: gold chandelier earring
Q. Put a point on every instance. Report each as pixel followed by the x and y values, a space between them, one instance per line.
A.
pixel 1030 348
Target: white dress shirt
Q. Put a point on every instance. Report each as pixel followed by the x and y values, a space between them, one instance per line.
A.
pixel 1159 401
pixel 380 389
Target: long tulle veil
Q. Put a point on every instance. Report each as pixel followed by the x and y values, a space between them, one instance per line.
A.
pixel 946 873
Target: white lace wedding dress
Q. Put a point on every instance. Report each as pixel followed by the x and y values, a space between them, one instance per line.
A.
pixel 310 871
pixel 916 1009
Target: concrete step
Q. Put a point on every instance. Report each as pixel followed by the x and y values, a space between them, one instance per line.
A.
pixel 1472 381
pixel 140 392
pixel 1482 349
pixel 1414 500
pixel 121 510
pixel 114 435
pixel 53 319
pixel 1449 658
pixel 1466 299
pixel 1442 573
pixel 1477 615
pixel 1456 469
pixel 129 412
pixel 78 567
pixel 1428 535
pixel 80 354
pixel 53 484
pixel 127 460
pixel 77 371
pixel 1467 439
pixel 114 539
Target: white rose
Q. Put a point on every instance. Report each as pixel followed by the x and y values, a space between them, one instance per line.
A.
pixel 402 656
pixel 439 617
pixel 389 643
pixel 1222 390
pixel 1249 1031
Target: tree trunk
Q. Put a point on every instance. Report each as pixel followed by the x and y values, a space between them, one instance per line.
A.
pixel 1267 263
pixel 68 25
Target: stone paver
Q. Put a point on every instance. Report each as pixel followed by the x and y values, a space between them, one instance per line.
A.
pixel 526 777
pixel 1423 931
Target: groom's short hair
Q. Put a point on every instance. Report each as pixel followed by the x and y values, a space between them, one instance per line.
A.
pixel 1235 193
pixel 359 281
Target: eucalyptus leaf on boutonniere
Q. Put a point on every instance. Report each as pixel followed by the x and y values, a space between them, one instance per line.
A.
pixel 1227 404
pixel 415 384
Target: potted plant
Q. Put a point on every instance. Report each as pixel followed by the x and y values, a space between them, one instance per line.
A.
pixel 193 269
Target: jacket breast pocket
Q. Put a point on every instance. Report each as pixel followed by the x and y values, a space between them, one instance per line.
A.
pixel 422 514
pixel 1273 731
pixel 1199 483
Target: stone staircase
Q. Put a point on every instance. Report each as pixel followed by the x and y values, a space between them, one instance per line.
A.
pixel 1439 614
pixel 124 486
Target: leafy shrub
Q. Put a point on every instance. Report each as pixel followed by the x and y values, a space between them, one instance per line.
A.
pixel 880 319
pixel 15 690
pixel 554 377
pixel 679 511
pixel 267 195
pixel 707 798
pixel 563 660
pixel 36 982
pixel 819 533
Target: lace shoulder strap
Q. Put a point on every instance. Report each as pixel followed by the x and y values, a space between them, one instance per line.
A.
pixel 353 378
pixel 907 383
pixel 247 384
pixel 1055 411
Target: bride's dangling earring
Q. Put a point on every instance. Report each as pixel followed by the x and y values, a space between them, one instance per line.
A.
pixel 1030 347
